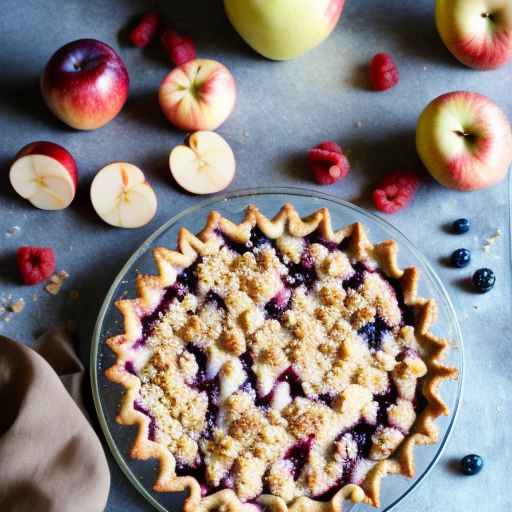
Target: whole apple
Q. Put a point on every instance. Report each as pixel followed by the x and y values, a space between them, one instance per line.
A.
pixel 283 29
pixel 198 95
pixel 85 84
pixel 465 141
pixel 477 32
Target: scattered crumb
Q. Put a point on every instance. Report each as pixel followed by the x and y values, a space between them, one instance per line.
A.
pixel 34 297
pixel 53 288
pixel 10 307
pixel 13 231
pixel 358 124
pixel 74 294
pixel 56 282
pixel 18 306
pixel 425 68
pixel 245 133
pixel 491 240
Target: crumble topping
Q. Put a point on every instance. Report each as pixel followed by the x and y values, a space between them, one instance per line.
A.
pixel 283 367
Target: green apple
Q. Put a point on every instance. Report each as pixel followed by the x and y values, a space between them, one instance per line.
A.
pixel 283 29
pixel 465 141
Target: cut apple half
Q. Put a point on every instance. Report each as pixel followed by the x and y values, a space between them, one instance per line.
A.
pixel 122 197
pixel 205 166
pixel 45 174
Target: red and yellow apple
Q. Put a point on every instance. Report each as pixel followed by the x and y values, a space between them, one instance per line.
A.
pixel 198 95
pixel 477 32
pixel 85 84
pixel 283 29
pixel 465 141
pixel 45 174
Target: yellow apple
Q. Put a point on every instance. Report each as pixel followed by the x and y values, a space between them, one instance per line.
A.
pixel 283 29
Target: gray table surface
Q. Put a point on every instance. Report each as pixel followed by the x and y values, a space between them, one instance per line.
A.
pixel 283 109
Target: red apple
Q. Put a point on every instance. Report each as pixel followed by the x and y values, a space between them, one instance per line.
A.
pixel 477 32
pixel 45 174
pixel 85 84
pixel 198 95
pixel 465 141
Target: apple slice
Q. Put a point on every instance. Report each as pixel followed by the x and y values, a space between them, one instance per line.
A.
pixel 45 174
pixel 205 166
pixel 122 197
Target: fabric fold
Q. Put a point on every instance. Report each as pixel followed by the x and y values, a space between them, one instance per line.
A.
pixel 50 457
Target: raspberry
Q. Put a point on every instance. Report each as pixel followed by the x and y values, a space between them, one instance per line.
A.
pixel 145 30
pixel 328 163
pixel 396 191
pixel 35 263
pixel 180 49
pixel 383 72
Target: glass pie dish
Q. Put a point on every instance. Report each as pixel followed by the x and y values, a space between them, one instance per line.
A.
pixel 107 395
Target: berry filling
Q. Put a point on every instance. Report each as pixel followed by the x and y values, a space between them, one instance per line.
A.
pixel 290 376
pixel 216 299
pixel 300 274
pixel 257 239
pixel 152 423
pixel 185 282
pixel 279 304
pixel 298 455
pixel 130 368
pixel 210 386
pixel 357 278
pixel 373 332
pixel 316 238
pixel 384 401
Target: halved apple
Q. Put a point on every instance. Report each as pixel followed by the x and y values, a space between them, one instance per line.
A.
pixel 45 174
pixel 122 197
pixel 205 166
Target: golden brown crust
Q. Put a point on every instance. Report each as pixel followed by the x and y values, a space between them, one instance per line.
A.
pixel 150 290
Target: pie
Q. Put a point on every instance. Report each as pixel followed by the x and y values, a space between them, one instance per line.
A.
pixel 278 364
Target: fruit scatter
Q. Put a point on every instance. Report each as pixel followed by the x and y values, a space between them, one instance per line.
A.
pixel 396 191
pixel 328 163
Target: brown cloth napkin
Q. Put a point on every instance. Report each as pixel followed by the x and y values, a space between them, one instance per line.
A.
pixel 50 458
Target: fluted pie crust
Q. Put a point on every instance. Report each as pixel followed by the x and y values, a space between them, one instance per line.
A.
pixel 151 289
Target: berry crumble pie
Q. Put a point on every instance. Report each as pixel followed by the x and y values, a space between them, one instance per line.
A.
pixel 279 364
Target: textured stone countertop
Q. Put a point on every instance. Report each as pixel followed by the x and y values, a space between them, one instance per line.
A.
pixel 283 109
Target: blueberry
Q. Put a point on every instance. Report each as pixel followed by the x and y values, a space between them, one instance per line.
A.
pixel 461 226
pixel 471 464
pixel 484 279
pixel 461 258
